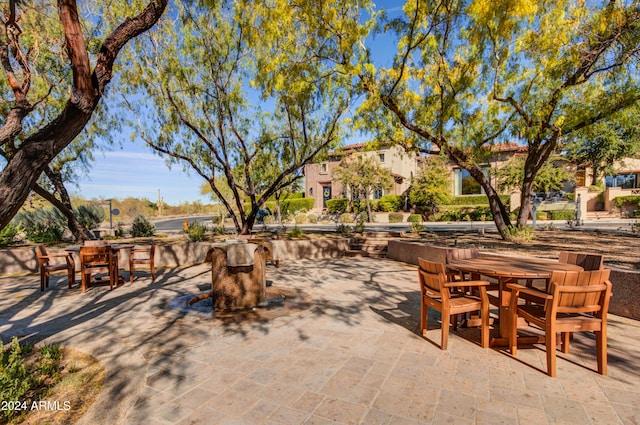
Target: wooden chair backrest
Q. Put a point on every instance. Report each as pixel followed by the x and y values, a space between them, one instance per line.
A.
pixel 96 243
pixel 95 255
pixel 580 292
pixel 586 261
pixel 41 252
pixel 432 275
pixel 461 254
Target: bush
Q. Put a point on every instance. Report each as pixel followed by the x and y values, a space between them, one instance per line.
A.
pixel 42 225
pixel 416 227
pixel 142 228
pixel 521 235
pixel 415 218
pixel 269 219
pixel 477 200
pixel 337 205
pixel 395 217
pixel 622 201
pixel 90 216
pixel 391 203
pixel 312 218
pixel 562 215
pixel 344 229
pixel 8 235
pixel 297 205
pixel 295 232
pixel 197 232
pixel 301 218
pixel 346 218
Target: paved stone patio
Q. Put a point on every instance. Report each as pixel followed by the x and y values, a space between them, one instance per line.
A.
pixel 353 357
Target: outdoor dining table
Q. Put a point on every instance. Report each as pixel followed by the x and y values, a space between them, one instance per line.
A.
pixel 115 248
pixel 507 270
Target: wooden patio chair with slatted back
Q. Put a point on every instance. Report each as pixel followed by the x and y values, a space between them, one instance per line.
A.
pixel 576 302
pixel 143 255
pixel 440 294
pixel 587 261
pixel 97 259
pixel 46 266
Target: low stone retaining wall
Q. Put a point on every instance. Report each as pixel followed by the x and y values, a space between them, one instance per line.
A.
pixel 23 260
pixel 626 283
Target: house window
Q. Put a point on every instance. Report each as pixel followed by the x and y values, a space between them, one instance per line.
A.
pixel 323 168
pixel 381 157
pixel 623 181
pixel 377 194
pixel 464 184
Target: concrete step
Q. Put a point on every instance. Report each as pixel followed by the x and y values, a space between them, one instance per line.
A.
pixel 369 246
pixel 361 253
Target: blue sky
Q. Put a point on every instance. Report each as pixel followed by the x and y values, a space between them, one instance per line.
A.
pixel 135 171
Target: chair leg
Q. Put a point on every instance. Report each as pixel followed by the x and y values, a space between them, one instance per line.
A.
pixel 445 317
pixel 550 342
pixel 130 271
pixel 424 319
pixel 71 276
pixel 513 331
pixel 564 345
pixel 484 338
pixel 153 272
pixel 83 283
pixel 601 350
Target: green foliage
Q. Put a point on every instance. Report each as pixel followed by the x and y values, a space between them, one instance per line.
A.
pixel 142 227
pixel 346 218
pixel 430 188
pixel 19 381
pixel 295 232
pixel 466 213
pixel 359 227
pixel 337 205
pixel 550 177
pixel 90 216
pixel 344 229
pixel 42 225
pixel 297 205
pixel 390 203
pixel 631 200
pixel 562 215
pixel 395 217
pixel 362 175
pixel 197 232
pixel 416 227
pixel 312 218
pixel 476 200
pixel 301 218
pixel 8 234
pixel 415 218
pixel 521 235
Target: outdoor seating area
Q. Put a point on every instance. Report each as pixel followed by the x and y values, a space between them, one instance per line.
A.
pixel 356 355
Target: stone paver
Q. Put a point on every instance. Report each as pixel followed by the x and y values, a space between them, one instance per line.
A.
pixel 353 357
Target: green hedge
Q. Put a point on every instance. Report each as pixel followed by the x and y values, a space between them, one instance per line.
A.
pixel 627 200
pixel 415 218
pixel 477 200
pixel 390 203
pixel 287 206
pixel 337 205
pixel 456 213
pixel 562 215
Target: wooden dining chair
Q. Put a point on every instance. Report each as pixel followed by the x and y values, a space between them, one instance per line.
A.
pixel 440 294
pixel 576 302
pixel 46 266
pixel 97 259
pixel 459 254
pixel 142 255
pixel 587 261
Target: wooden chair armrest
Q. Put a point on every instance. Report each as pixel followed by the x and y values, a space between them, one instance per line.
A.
pixel 529 291
pixel 466 283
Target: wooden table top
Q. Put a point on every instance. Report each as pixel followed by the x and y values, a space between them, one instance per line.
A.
pixel 114 247
pixel 515 267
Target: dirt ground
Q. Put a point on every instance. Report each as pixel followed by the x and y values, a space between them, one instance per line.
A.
pixel 621 249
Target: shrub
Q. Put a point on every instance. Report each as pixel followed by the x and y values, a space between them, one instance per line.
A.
pixel 42 225
pixel 312 218
pixel 395 217
pixel 295 232
pixel 344 229
pixel 394 202
pixel 521 235
pixel 416 227
pixel 8 235
pixel 346 218
pixel 477 200
pixel 197 232
pixel 301 218
pixel 562 215
pixel 415 218
pixel 296 205
pixel 622 201
pixel 269 219
pixel 337 205
pixel 90 216
pixel 142 227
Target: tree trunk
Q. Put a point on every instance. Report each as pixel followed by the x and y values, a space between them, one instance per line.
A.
pixel 72 221
pixel 36 152
pixel 368 209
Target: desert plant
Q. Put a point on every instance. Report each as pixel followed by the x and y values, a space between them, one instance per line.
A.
pixel 269 219
pixel 346 218
pixel 42 225
pixel 416 227
pixel 344 229
pixel 90 216
pixel 142 227
pixel 395 217
pixel 15 380
pixel 301 218
pixel 295 232
pixel 8 235
pixel 414 218
pixel 197 232
pixel 520 235
pixel 312 218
